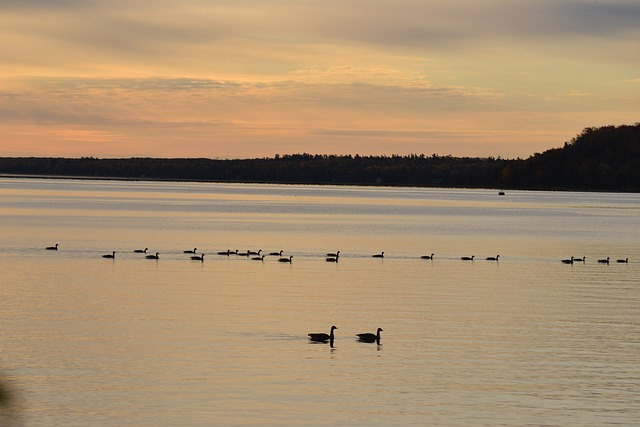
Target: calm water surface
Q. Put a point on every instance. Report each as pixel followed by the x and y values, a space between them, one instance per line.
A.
pixel 88 341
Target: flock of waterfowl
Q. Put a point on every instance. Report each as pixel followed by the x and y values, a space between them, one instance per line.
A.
pixel 321 337
pixel 600 261
pixel 330 257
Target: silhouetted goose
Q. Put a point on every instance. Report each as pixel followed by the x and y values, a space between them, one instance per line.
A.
pixel 111 255
pixel 332 258
pixel 190 252
pixel 276 253
pixel 141 251
pixel 625 261
pixel 576 259
pixel 52 248
pixel 254 253
pixel 427 256
pixel 227 252
pixel 493 258
pixel 337 254
pixel 258 258
pixel 604 261
pixel 568 261
pixel 247 253
pixel 156 256
pixel 198 258
pixel 286 259
pixel 369 337
pixel 322 337
pixel 380 255
pixel 467 258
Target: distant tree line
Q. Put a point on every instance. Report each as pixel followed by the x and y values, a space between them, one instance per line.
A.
pixel 599 159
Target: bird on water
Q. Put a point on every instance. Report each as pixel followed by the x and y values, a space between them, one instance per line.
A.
pixel 191 252
pixel 198 258
pixel 578 259
pixel 52 248
pixel 334 255
pixel 322 337
pixel 604 261
pixel 111 255
pixel 624 261
pixel 332 258
pixel 568 261
pixel 258 258
pixel 369 337
pixel 141 251
pixel 467 258
pixel 427 256
pixel 493 258
pixel 286 259
pixel 276 253
pixel 156 256
pixel 380 255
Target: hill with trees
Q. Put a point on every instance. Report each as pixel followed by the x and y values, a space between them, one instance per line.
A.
pixel 599 159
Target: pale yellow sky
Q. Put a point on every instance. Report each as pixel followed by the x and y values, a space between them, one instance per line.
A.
pixel 247 78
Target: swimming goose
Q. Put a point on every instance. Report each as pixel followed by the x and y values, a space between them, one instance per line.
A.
pixel 625 261
pixel 427 256
pixel 247 253
pixel 254 253
pixel 112 255
pixel 52 248
pixel 369 337
pixel 258 258
pixel 156 256
pixel 141 251
pixel 568 261
pixel 466 258
pixel 227 252
pixel 493 258
pixel 604 261
pixel 380 255
pixel 337 254
pixel 332 258
pixel 198 258
pixel 190 252
pixel 322 337
pixel 576 259
pixel 286 259
pixel 276 253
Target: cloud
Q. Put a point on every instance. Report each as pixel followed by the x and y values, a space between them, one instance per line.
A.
pixel 165 34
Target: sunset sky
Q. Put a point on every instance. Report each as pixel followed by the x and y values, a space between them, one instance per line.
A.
pixel 249 78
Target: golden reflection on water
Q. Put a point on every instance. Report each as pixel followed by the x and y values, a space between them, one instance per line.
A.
pixel 526 340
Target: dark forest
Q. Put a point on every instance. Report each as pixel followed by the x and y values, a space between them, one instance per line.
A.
pixel 598 159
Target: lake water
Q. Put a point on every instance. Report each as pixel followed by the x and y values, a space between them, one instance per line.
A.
pixel 525 341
